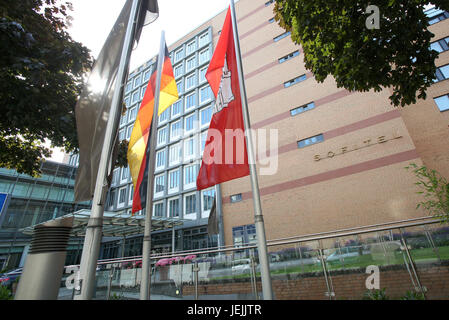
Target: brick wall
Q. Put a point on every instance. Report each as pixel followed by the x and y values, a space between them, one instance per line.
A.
pixel 347 284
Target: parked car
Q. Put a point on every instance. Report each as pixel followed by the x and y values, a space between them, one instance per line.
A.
pixel 8 278
pixel 241 266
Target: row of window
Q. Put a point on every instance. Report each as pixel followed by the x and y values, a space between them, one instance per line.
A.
pixel 442 73
pixel 191 46
pixel 184 127
pixel 172 207
pixel 191 63
pixel 170 182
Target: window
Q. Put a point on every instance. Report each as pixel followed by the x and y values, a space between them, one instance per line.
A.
pixel 289 56
pixel 303 108
pixel 236 197
pixel 202 76
pixel 115 176
pixel 121 134
pixel 158 209
pixel 176 108
pixel 441 16
pixel 110 202
pixel 190 206
pixel 179 55
pixel 294 81
pixel 162 136
pixel 440 45
pixel 190 176
pixel 204 56
pixel 442 73
pixel 160 159
pixel 135 96
pixel 131 194
pixel 129 86
pixel 147 75
pixel 179 70
pixel 180 86
pixel 205 94
pixel 191 63
pixel 204 39
pixel 142 91
pixel 124 118
pixel 132 114
pixel 191 46
pixel 164 116
pixel 173 208
pixel 159 185
pixel 137 81
pixel 190 123
pixel 203 142
pixel 271 20
pixel 282 36
pixel 190 81
pixel 128 101
pixel 173 181
pixel 206 116
pixel 129 130
pixel 268 3
pixel 442 102
pixel 125 174
pixel 121 197
pixel 208 197
pixel 189 148
pixel 190 101
pixel 174 154
pixel 309 141
pixel 175 130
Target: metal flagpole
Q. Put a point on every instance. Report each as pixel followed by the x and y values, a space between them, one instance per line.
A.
pixel 92 241
pixel 146 248
pixel 258 217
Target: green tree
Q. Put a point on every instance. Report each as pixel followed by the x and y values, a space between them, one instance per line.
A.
pixel 41 76
pixel 435 190
pixel 336 41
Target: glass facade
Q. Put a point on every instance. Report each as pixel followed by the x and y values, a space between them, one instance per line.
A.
pixel 33 201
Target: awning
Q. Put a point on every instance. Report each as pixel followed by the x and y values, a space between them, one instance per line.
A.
pixel 114 224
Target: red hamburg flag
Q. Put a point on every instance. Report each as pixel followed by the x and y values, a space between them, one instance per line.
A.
pixel 225 155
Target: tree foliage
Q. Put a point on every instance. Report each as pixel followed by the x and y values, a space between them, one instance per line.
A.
pixel 435 189
pixel 41 76
pixel 336 41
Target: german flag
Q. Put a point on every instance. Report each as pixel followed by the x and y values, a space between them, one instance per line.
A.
pixel 139 148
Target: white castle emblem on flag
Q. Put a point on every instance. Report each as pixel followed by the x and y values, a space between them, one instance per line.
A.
pixel 225 95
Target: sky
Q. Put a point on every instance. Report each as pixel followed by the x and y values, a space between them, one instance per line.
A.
pixel 93 20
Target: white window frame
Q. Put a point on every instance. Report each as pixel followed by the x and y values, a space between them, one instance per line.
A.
pixel 192 58
pixel 176 134
pixel 166 112
pixel 129 131
pixel 188 77
pixel 181 50
pixel 161 143
pixel 193 183
pixel 206 59
pixel 202 42
pixel 194 103
pixel 138 96
pixel 157 168
pixel 130 194
pixel 190 216
pixel 190 115
pixel 125 171
pixel 188 45
pixel 204 133
pixel 205 213
pixel 139 77
pixel 209 98
pixel 179 66
pixel 189 157
pixel 202 80
pixel 154 208
pixel 132 117
pixel 160 193
pixel 142 91
pixel 175 189
pixel 173 163
pixel 115 176
pixel 180 102
pixel 122 134
pixel 121 204
pixel 169 200
pixel 205 125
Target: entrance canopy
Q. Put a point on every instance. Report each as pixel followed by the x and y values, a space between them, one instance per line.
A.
pixel 114 224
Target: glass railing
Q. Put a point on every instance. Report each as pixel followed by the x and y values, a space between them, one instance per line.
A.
pixel 404 260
